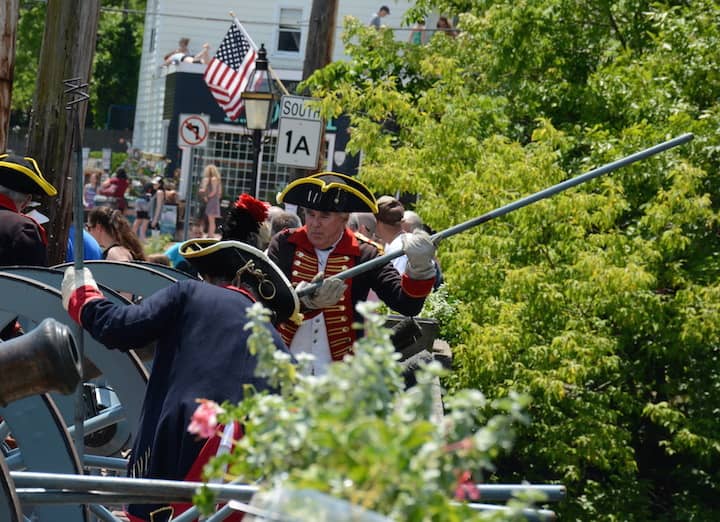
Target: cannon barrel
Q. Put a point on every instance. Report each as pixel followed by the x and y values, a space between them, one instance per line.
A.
pixel 43 360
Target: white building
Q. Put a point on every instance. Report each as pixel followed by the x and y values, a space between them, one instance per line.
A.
pixel 281 25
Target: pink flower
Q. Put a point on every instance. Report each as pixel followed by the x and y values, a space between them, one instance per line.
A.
pixel 466 488
pixel 204 420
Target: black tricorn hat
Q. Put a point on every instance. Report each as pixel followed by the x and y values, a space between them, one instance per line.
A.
pixel 247 266
pixel 23 175
pixel 330 192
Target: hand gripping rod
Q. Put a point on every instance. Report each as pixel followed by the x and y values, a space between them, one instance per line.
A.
pixel 510 207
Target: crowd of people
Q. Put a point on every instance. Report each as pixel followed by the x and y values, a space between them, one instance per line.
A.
pixel 266 254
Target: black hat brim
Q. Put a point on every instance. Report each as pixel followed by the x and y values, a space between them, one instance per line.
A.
pixel 23 175
pixel 329 192
pixel 225 258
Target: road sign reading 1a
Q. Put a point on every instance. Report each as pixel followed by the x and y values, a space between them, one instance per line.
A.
pixel 299 133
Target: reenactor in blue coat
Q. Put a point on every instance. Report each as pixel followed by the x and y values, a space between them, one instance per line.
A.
pixel 201 350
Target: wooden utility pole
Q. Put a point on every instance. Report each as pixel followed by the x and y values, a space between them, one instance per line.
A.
pixel 67 52
pixel 319 48
pixel 318 53
pixel 8 27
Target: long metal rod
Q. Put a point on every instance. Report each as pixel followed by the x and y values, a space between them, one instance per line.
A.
pixel 69 488
pixel 76 88
pixel 510 207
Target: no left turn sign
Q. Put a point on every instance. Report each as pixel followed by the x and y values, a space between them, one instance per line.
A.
pixel 193 130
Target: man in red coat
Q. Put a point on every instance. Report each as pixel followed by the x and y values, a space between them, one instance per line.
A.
pixel 22 239
pixel 323 247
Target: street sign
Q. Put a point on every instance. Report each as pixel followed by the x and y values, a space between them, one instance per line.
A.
pixel 193 130
pixel 299 133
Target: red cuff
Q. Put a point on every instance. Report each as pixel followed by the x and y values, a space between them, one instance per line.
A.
pixel 417 288
pixel 80 298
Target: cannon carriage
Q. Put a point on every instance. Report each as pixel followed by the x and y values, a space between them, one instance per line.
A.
pixel 43 475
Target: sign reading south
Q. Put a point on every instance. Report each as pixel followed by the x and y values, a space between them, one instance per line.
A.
pixel 299 133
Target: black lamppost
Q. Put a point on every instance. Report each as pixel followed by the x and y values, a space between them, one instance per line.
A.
pixel 259 98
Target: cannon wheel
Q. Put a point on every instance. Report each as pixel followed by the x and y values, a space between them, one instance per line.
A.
pixel 38 297
pixel 9 504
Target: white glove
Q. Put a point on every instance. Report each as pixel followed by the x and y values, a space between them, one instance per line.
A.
pixel 330 292
pixel 77 289
pixel 420 250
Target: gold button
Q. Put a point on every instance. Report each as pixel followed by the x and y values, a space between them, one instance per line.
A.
pixel 343 318
pixel 294 272
pixel 297 262
pixel 301 254
pixel 346 258
pixel 342 308
pixel 344 267
pixel 346 329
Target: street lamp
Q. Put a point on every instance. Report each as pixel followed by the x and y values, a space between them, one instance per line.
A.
pixel 259 98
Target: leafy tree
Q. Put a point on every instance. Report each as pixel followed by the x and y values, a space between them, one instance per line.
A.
pixel 117 58
pixel 602 301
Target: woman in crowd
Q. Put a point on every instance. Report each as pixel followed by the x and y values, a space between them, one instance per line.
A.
pixel 156 202
pixel 115 188
pixel 114 235
pixel 142 212
pixel 90 190
pixel 210 192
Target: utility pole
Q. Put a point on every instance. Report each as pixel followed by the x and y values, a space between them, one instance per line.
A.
pixel 8 28
pixel 319 49
pixel 67 52
pixel 318 53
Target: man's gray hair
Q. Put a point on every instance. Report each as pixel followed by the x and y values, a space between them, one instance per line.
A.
pixel 284 220
pixel 411 221
pixel 365 219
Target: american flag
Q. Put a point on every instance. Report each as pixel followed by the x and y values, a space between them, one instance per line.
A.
pixel 230 69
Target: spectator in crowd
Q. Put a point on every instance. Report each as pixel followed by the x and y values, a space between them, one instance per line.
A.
pixel 210 193
pixel 363 223
pixel 91 248
pixel 156 203
pixel 444 25
pixel 202 352
pixel 22 239
pixel 376 17
pixel 411 221
pixel 324 247
pixel 284 220
pixel 115 187
pixel 114 235
pixel 417 33
pixel 183 54
pixel 389 228
pixel 90 190
pixel 142 212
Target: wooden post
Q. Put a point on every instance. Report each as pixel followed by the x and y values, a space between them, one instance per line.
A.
pixel 318 53
pixel 319 48
pixel 8 28
pixel 67 52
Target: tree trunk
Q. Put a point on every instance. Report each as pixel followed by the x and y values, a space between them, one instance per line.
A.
pixel 67 52
pixel 8 26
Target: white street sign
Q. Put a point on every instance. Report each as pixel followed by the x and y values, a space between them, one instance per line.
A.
pixel 193 130
pixel 299 133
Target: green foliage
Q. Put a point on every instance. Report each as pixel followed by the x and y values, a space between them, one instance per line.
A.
pixel 355 434
pixel 116 64
pixel 600 302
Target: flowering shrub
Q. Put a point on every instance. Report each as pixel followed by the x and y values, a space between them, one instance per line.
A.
pixel 357 435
